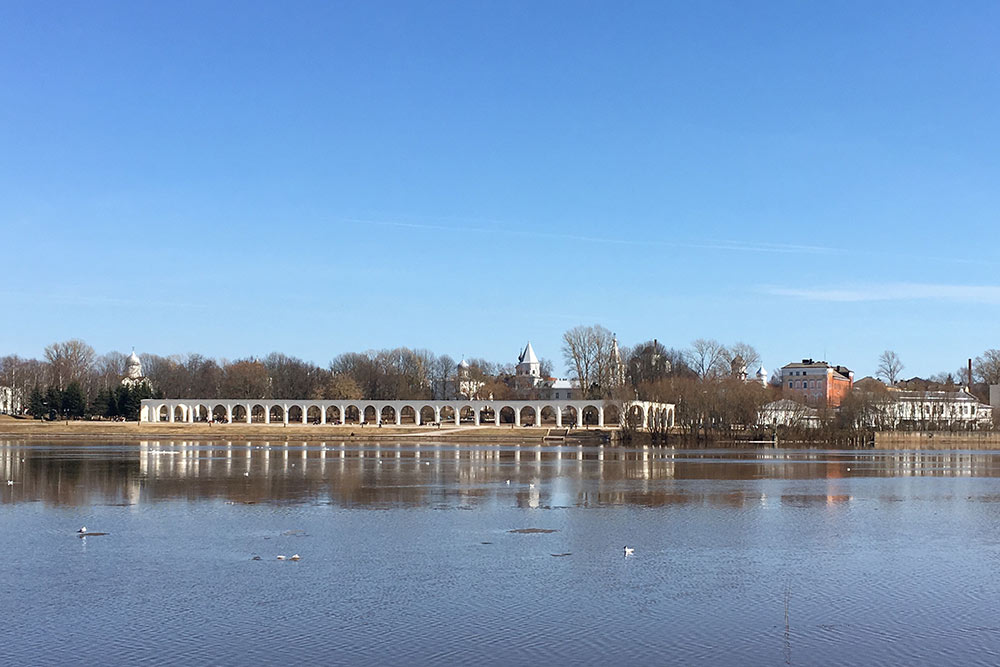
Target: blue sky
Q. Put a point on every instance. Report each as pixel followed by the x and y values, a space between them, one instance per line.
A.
pixel 237 178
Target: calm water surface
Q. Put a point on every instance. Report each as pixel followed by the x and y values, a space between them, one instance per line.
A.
pixel 742 557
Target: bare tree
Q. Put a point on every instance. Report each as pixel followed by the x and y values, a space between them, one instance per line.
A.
pixel 587 350
pixel 69 362
pixel 708 358
pixel 749 354
pixel 986 367
pixel 889 367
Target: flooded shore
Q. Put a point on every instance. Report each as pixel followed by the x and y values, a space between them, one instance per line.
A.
pixel 437 553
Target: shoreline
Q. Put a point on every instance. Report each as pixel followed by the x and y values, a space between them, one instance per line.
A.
pixel 29 429
pixel 32 429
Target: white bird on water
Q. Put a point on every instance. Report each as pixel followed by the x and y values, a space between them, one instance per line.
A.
pixel 10 482
pixel 82 530
pixel 281 558
pixel 628 551
pixel 295 557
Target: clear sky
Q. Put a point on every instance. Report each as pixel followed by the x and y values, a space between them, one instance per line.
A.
pixel 234 178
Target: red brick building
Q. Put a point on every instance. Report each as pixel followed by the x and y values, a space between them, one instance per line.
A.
pixel 816 383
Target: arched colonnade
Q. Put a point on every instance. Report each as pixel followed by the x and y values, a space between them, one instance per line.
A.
pixel 561 414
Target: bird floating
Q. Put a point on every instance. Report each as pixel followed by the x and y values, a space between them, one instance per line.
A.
pixel 628 551
pixel 295 557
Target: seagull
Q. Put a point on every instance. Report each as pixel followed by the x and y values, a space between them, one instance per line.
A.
pixel 10 482
pixel 295 557
pixel 281 558
pixel 628 551
pixel 508 482
pixel 82 530
pixel 531 486
pixel 246 474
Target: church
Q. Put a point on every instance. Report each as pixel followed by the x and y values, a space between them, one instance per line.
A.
pixel 134 378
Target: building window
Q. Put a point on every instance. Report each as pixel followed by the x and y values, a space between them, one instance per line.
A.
pixel 790 383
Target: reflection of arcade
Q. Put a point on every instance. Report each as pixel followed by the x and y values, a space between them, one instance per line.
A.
pixel 378 475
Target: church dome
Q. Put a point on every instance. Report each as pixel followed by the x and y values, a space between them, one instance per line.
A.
pixel 761 372
pixel 133 359
pixel 463 364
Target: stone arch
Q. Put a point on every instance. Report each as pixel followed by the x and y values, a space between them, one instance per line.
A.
pixel 591 415
pixel 507 415
pixel 277 413
pixel 636 416
pixel 179 413
pixel 408 415
pixel 570 415
pixel 670 417
pixel 295 413
pixel 219 413
pixel 371 415
pixel 388 414
pixel 202 413
pixel 612 415
pixel 163 414
pixel 239 413
pixel 447 414
pixel 352 414
pixel 548 416
pixel 314 414
pixel 487 415
pixel 258 413
pixel 427 415
pixel 467 414
pixel 528 416
pixel 333 415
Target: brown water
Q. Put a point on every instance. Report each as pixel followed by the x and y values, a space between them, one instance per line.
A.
pixel 425 554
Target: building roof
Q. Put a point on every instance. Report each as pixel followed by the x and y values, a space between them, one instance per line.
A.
pixel 962 395
pixel 809 363
pixel 528 356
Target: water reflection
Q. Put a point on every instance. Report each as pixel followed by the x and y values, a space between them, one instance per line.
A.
pixel 407 474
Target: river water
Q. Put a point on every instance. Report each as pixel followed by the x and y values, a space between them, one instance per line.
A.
pixel 742 557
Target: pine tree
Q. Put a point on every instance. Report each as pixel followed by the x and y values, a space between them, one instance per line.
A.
pixel 99 406
pixel 36 403
pixel 53 402
pixel 74 404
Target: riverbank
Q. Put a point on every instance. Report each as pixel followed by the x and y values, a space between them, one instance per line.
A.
pixel 31 428
pixel 985 440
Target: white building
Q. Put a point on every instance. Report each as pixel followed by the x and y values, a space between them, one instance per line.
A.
pixel 559 390
pixel 786 412
pixel 529 369
pixel 939 410
pixel 11 401
pixel 133 372
pixel 460 385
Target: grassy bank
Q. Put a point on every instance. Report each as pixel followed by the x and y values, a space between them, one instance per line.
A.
pixel 938 440
pixel 30 428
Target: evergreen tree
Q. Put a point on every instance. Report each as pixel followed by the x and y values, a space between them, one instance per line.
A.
pixel 99 406
pixel 74 404
pixel 36 403
pixel 53 402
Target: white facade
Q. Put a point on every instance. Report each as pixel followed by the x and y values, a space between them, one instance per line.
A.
pixel 416 412
pixel 786 412
pixel 11 401
pixel 529 369
pixel 461 385
pixel 938 409
pixel 133 372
